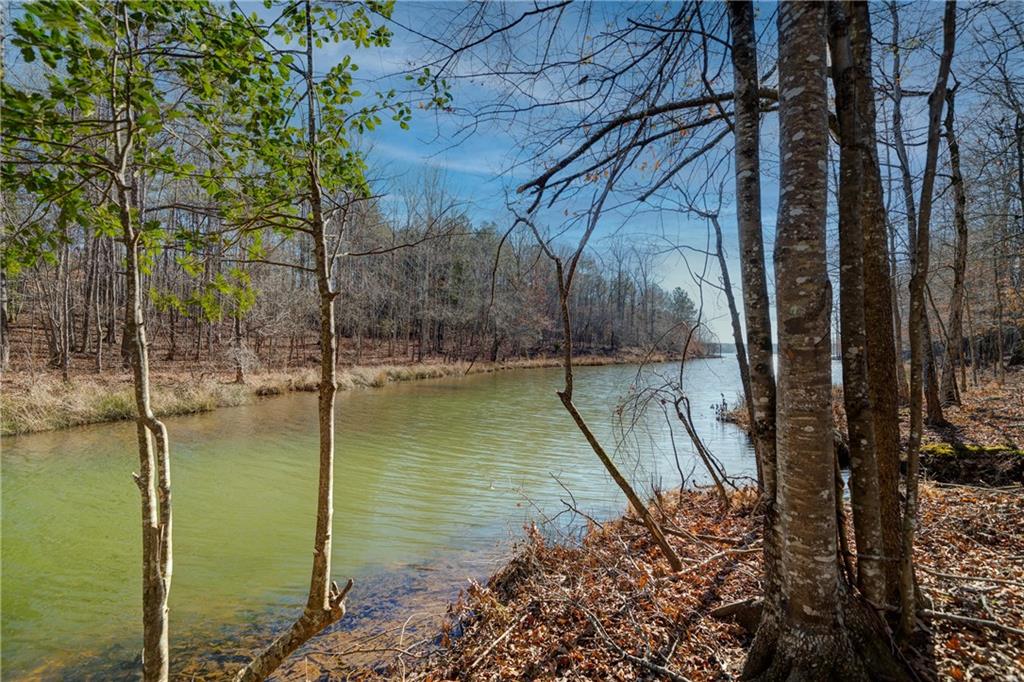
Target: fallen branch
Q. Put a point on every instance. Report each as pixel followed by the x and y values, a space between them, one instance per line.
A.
pixel 978 578
pixel 496 642
pixel 941 615
pixel 713 557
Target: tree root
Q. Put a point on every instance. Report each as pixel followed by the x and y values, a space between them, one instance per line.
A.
pixel 310 623
pixel 853 649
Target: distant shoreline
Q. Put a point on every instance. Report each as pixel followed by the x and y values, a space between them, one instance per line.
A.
pixel 38 402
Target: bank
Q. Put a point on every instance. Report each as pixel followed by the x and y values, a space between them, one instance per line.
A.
pixel 31 402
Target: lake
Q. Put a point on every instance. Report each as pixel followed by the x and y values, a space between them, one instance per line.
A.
pixel 430 471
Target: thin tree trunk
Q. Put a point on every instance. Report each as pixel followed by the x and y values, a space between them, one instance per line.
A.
pixel 5 333
pixel 326 602
pixel 913 229
pixel 860 421
pixel 881 312
pixel 761 368
pixel 89 256
pixel 154 477
pixel 751 241
pixel 239 360
pixel 954 330
pixel 737 333
pixel 565 395
pixel 971 341
pixel 918 324
pixel 933 404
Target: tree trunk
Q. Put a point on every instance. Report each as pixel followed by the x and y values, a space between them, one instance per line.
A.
pixel 933 404
pixel 239 360
pixel 881 312
pixel 154 477
pixel 5 330
pixel 566 395
pixel 955 332
pixel 751 241
pixel 759 349
pixel 814 636
pixel 326 602
pixel 918 325
pixel 864 491
pixel 913 229
pixel 737 334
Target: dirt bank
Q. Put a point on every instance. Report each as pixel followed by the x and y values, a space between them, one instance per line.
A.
pixel 40 401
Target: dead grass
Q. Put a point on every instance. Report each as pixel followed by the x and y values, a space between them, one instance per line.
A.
pixel 40 401
pixel 46 403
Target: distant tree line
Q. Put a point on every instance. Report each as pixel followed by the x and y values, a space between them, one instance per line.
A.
pixel 455 296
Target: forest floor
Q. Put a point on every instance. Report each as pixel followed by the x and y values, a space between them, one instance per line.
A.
pixel 36 400
pixel 606 605
pixel 981 442
pixel 609 608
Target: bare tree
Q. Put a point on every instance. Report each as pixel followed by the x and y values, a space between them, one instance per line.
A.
pixel 918 322
pixel 955 336
pixel 856 392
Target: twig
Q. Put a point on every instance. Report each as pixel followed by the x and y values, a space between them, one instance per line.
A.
pixel 495 643
pixel 954 576
pixel 941 615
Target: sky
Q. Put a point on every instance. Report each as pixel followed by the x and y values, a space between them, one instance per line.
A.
pixel 483 166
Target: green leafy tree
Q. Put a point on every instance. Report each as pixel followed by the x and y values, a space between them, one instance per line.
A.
pixel 290 141
pixel 118 80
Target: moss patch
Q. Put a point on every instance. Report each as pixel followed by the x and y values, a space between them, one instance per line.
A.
pixel 964 449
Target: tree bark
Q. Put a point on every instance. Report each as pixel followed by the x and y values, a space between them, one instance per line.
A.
pixel 810 585
pixel 955 331
pixel 860 421
pixel 918 324
pixel 881 314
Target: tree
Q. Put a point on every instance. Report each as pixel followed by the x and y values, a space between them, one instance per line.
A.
pixel 306 179
pixel 752 263
pixel 913 229
pixel 955 339
pixel 117 78
pixel 918 321
pixel 856 392
pixel 818 630
pixel 880 314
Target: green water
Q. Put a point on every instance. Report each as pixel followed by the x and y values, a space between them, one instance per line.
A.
pixel 429 469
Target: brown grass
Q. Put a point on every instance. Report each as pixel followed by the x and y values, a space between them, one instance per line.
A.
pixel 40 401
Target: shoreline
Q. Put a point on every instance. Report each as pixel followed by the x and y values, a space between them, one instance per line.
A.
pixel 40 402
pixel 574 611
